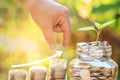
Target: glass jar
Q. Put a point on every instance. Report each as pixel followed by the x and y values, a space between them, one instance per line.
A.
pixel 93 62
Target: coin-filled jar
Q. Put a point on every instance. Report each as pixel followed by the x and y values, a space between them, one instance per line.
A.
pixel 93 62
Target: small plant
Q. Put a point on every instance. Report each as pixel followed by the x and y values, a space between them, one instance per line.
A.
pixel 97 28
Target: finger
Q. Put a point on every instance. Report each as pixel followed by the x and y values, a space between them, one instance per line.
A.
pixel 57 28
pixel 49 36
pixel 66 31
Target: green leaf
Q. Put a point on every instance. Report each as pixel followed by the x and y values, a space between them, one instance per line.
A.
pixel 96 24
pixel 100 26
pixel 108 23
pixel 86 28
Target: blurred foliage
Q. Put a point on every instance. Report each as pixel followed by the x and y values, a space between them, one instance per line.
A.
pixel 22 41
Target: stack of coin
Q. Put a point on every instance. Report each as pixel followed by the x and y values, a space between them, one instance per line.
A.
pixel 37 73
pixel 58 69
pixel 17 74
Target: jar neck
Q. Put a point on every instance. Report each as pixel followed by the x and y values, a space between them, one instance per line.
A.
pixel 85 51
pixel 90 57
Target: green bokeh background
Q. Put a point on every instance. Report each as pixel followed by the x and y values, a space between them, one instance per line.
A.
pixel 22 41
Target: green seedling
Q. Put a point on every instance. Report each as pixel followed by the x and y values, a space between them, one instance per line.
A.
pixel 97 28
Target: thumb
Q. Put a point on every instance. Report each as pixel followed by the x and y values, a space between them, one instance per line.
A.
pixel 49 36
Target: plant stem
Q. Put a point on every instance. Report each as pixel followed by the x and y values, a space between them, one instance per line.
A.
pixel 98 34
pixel 97 37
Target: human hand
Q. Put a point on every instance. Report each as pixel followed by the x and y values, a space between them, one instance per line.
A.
pixel 51 17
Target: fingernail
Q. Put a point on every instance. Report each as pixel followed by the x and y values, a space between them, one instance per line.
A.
pixel 52 46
